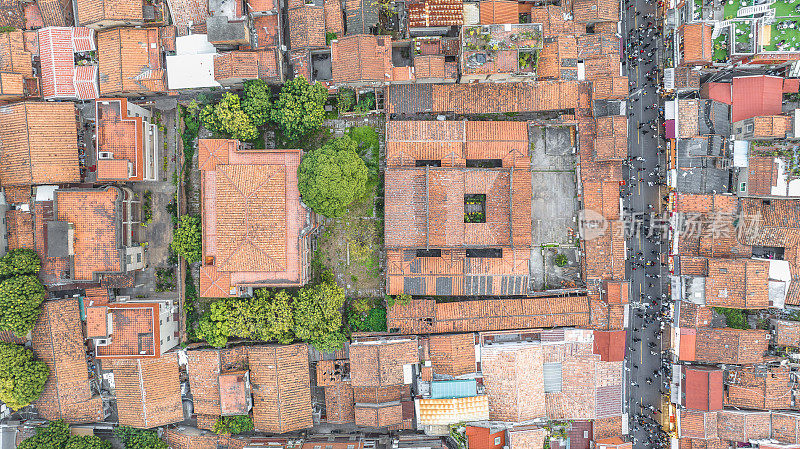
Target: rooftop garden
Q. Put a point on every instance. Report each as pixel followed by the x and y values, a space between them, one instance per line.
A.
pixel 721 47
pixel 785 8
pixel 497 37
pixel 743 37
pixel 730 7
pixel 784 35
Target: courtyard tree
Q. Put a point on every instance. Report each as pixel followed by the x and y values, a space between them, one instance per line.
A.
pixel 19 261
pixel 229 118
pixel 257 101
pixel 21 376
pixel 187 241
pixel 54 436
pixel 87 442
pixel 300 108
pixel 233 424
pixel 133 438
pixel 20 298
pixel 331 177
pixel 318 316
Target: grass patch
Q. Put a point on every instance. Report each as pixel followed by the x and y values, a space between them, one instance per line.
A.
pixel 730 8
pixel 721 48
pixel 786 9
pixel 791 36
pixel 734 318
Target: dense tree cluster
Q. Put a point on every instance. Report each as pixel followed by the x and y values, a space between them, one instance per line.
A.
pixel 331 177
pixel 21 377
pixel 21 293
pixel 313 315
pixel 187 240
pixel 56 436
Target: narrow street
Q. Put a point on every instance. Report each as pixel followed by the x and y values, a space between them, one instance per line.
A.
pixel 642 202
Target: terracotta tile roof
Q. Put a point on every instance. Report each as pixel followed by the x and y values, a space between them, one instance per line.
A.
pixel 785 427
pixel 186 14
pixel 695 443
pixel 697 45
pixel 267 31
pixel 773 224
pixel 234 392
pixel 687 78
pixel 743 426
pixel 204 369
pixel 697 424
pixel 57 340
pixel 16 66
pixel 339 405
pixel 612 138
pixel 762 175
pixel 612 88
pixel 235 186
pixel 527 438
pixel 513 382
pixel 740 284
pixel 730 346
pixel 590 388
pixel 19 226
pixel 93 11
pixel 452 354
pixel 497 97
pixel 553 20
pixel 786 332
pixel 281 388
pixel 379 395
pixel 558 58
pixel 378 364
pixel 702 388
pixel 261 5
pixel 433 66
pixel 772 126
pixel 134 333
pixel 498 11
pixel 606 427
pixel 148 392
pixel 426 316
pixel 246 65
pixel 56 13
pixel 11 14
pixel 61 78
pixel 762 389
pixel 334 17
pixel 95 217
pixel 361 58
pixel 130 61
pixel 306 26
pixel 609 345
pixel 213 283
pixel 361 16
pixel 435 13
pixel 39 144
pixel 10 337
pixel 123 137
pixel 692 315
pixel 452 410
pixel 382 415
pixel 190 438
pixel 595 11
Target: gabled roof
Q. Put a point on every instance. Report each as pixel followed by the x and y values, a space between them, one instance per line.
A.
pixel 306 26
pixel 61 78
pixel 93 11
pixel 339 404
pixel 204 369
pixel 148 391
pixel 737 283
pixel 595 11
pixel 130 61
pixel 361 58
pixel 612 138
pixel 281 388
pixel 380 363
pixel 730 346
pixel 756 95
pixel 361 15
pixel 15 65
pixel 122 136
pixel 761 388
pixel 786 333
pixel 452 354
pixel 435 13
pixel 334 17
pixel 702 388
pixel 57 340
pixel 697 45
pixel 38 144
pixel 498 11
pixel 247 65
pixel 743 425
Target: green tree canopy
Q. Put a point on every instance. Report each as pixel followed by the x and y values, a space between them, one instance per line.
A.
pixel 233 424
pixel 228 117
pixel 312 316
pixel 187 240
pixel 257 101
pixel 54 436
pixel 318 316
pixel 20 298
pixel 331 177
pixel 133 438
pixel 300 107
pixel 19 261
pixel 87 442
pixel 21 377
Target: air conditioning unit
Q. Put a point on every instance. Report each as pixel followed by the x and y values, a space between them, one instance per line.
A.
pixel 105 155
pixel 101 342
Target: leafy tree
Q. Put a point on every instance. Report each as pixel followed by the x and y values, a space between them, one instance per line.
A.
pixel 188 239
pixel 54 436
pixel 133 438
pixel 279 318
pixel 87 442
pixel 20 298
pixel 332 177
pixel 21 377
pixel 300 108
pixel 257 101
pixel 233 424
pixel 318 316
pixel 228 117
pixel 20 261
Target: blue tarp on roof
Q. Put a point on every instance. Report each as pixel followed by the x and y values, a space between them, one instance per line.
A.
pixel 446 389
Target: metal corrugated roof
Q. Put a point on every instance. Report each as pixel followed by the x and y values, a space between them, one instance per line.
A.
pixel 454 389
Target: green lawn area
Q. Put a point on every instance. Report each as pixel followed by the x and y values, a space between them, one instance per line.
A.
pixel 744 43
pixel 731 7
pixel 785 8
pixel 721 48
pixel 790 35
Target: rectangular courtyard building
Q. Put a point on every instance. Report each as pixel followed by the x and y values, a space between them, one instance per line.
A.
pixel 458 208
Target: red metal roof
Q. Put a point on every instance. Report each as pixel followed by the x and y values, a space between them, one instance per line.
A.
pixel 702 388
pixel 60 77
pixel 791 85
pixel 610 345
pixel 717 91
pixel 756 95
pixel 688 344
